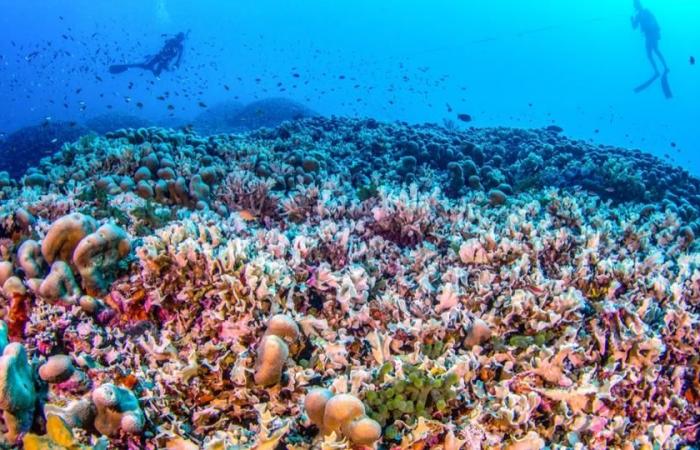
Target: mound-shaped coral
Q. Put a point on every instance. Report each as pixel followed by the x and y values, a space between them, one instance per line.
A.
pixel 118 410
pixel 97 257
pixel 17 391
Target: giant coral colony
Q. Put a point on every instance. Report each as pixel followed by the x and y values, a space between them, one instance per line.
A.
pixel 337 283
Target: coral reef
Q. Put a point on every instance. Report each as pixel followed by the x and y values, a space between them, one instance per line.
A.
pixel 234 117
pixel 399 286
pixel 25 147
pixel 105 123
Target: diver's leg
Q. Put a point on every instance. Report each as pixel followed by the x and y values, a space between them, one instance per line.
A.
pixel 158 68
pixel 661 57
pixel 650 56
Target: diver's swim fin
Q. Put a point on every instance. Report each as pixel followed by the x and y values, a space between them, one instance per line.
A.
pixel 119 68
pixel 665 86
pixel 646 84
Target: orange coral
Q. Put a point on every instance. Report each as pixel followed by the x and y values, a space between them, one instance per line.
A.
pixel 17 316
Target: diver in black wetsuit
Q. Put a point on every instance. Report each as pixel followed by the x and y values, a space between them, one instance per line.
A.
pixel 645 20
pixel 172 51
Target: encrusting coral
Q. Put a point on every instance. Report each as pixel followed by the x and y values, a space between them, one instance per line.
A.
pixel 58 437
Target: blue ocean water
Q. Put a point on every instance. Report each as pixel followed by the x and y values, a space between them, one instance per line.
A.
pixel 504 62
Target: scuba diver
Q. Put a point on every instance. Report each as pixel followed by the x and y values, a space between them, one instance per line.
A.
pixel 646 22
pixel 172 51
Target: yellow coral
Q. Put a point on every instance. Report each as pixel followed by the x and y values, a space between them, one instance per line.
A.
pixel 58 437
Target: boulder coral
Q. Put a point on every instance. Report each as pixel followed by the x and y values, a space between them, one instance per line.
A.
pixel 341 414
pixel 272 355
pixel 273 350
pixel 60 284
pixel 97 257
pixel 64 235
pixel 6 271
pixel 117 409
pixel 17 391
pixel 30 259
pixel 56 369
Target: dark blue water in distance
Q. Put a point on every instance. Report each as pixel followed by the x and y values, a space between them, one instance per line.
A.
pixel 503 62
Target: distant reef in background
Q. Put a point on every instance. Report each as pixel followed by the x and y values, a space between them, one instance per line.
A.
pixel 105 123
pixel 234 117
pixel 25 147
pixel 499 162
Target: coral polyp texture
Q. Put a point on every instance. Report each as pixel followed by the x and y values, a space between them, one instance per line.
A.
pixel 345 283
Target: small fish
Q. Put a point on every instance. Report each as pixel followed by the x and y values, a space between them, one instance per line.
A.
pixel 98 78
pixel 171 107
pixel 449 108
pixel 246 215
pixel 202 105
pixel 464 117
pixel 226 87
pixel 54 140
pixel 139 104
pixel 692 60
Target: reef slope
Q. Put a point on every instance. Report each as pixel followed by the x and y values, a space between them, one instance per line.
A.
pixel 381 284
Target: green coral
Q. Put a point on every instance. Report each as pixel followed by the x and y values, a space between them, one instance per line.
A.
pixel 418 394
pixel 368 191
pixel 101 207
pixel 150 217
pixel 433 350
